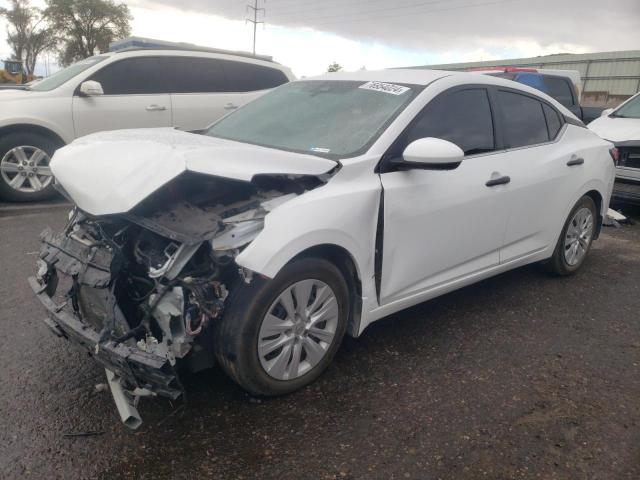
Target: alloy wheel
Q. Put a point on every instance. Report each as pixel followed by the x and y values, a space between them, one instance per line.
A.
pixel 26 169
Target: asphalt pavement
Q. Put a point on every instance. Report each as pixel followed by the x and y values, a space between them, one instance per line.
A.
pixel 520 376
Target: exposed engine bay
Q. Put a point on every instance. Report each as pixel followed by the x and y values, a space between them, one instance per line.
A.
pixel 141 290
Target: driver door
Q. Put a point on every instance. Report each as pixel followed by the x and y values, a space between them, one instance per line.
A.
pixel 442 227
pixel 136 95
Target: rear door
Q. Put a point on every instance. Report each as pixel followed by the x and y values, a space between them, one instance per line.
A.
pixel 542 182
pixel 206 89
pixel 136 95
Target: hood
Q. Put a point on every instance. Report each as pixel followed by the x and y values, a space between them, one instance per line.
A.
pixel 13 93
pixel 616 129
pixel 111 172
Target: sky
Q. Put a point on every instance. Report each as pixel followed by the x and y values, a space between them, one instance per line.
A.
pixel 308 35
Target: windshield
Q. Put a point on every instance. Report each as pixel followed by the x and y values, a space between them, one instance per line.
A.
pixel 326 118
pixel 66 74
pixel 631 109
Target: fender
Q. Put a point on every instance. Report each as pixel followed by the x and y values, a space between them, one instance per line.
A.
pixel 24 123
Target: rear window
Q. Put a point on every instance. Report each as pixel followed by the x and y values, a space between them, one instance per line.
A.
pixel 525 122
pixel 560 89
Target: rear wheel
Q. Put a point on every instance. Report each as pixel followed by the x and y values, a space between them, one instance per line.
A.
pixel 25 175
pixel 278 336
pixel 575 240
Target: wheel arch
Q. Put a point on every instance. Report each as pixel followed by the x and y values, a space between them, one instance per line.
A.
pixel 32 128
pixel 597 198
pixel 346 263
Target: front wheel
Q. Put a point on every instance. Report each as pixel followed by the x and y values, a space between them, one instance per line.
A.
pixel 279 335
pixel 25 175
pixel 575 240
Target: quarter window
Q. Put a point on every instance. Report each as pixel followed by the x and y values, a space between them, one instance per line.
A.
pixel 133 76
pixel 462 117
pixel 524 120
pixel 554 122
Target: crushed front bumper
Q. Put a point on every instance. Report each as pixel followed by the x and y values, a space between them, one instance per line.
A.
pixel 138 369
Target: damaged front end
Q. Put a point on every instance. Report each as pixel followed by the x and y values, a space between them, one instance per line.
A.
pixel 140 291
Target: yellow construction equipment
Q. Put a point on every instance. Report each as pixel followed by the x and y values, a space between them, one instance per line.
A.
pixel 14 73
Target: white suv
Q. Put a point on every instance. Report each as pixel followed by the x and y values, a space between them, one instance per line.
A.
pixel 187 90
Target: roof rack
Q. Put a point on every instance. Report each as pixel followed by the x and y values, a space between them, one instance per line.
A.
pixel 140 43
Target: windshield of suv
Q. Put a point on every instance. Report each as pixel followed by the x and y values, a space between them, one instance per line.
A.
pixel 66 74
pixel 321 117
pixel 631 109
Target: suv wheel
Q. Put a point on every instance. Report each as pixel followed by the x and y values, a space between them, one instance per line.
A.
pixel 25 175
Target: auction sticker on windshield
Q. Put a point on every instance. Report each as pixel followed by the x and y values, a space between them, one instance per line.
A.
pixel 385 87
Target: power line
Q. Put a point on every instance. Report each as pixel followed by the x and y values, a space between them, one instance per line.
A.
pixel 255 21
pixel 368 2
pixel 360 18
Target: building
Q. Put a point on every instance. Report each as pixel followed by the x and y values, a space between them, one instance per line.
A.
pixel 608 78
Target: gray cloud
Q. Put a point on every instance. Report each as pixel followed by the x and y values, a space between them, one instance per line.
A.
pixel 444 25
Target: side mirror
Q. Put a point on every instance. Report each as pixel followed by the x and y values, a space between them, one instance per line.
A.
pixel 91 88
pixel 430 154
pixel 607 112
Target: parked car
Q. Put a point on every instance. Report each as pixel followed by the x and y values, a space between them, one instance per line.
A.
pixel 622 127
pixel 562 85
pixel 309 213
pixel 188 90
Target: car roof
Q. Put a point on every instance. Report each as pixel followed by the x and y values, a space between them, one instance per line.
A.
pixel 414 77
pixel 426 77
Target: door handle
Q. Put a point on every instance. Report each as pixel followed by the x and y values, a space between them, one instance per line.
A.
pixel 575 161
pixel 155 108
pixel 498 181
pixel 230 106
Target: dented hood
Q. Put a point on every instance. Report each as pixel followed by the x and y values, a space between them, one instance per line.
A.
pixel 111 172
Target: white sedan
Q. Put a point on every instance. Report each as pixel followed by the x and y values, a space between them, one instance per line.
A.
pixel 621 126
pixel 309 213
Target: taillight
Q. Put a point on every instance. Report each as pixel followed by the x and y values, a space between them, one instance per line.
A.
pixel 615 155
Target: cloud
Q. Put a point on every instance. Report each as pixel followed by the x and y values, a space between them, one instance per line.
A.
pixel 440 25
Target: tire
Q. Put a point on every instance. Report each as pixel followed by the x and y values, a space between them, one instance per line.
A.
pixel 28 154
pixel 561 262
pixel 240 336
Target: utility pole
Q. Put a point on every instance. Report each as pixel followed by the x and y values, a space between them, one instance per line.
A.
pixel 255 21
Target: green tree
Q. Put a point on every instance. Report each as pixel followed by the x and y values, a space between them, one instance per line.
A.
pixel 87 27
pixel 334 67
pixel 28 34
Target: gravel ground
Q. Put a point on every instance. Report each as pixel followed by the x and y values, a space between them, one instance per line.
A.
pixel 520 376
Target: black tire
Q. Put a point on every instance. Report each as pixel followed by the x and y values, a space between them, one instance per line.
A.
pixel 13 140
pixel 236 333
pixel 558 264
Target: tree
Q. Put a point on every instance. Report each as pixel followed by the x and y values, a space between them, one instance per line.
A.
pixel 87 27
pixel 27 33
pixel 334 67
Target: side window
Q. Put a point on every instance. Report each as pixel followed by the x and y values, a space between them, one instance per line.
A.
pixel 525 123
pixel 560 89
pixel 554 122
pixel 462 117
pixel 195 75
pixel 133 76
pixel 247 77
